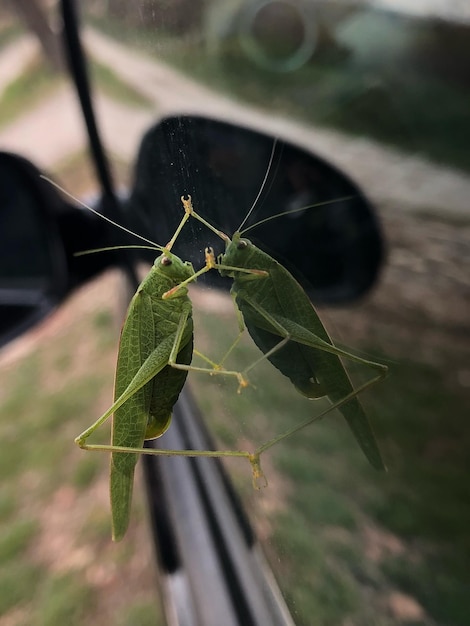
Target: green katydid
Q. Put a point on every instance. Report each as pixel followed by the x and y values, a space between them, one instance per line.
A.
pixel 284 325
pixel 155 353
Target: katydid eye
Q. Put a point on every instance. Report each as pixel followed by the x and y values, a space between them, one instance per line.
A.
pixel 166 261
pixel 242 244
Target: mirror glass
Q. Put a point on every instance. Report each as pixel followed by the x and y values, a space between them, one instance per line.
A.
pixel 329 238
pixel 31 274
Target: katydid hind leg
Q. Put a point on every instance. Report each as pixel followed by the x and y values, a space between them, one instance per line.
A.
pixel 378 463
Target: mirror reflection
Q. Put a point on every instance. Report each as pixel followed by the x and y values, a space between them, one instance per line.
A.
pixel 28 269
pixel 329 237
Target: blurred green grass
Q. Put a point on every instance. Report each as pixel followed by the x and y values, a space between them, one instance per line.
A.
pixel 38 81
pixel 35 83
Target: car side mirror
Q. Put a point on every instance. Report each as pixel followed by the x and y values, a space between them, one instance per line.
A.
pixel 335 249
pixel 32 268
pixel 39 234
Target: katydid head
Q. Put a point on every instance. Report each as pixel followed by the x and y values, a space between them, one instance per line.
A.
pixel 237 251
pixel 173 267
pixel 239 242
